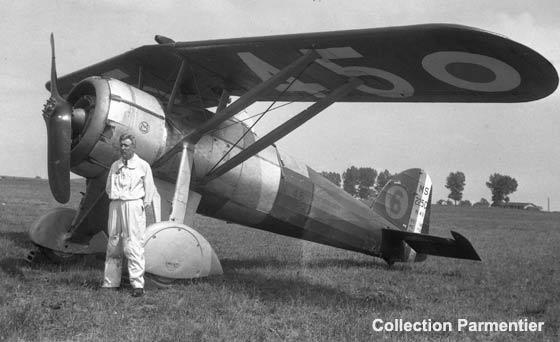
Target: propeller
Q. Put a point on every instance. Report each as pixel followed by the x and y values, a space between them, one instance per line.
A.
pixel 58 117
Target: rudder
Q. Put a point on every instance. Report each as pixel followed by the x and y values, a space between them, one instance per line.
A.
pixel 405 202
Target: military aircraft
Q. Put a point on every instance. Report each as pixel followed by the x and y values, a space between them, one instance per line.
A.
pixel 212 163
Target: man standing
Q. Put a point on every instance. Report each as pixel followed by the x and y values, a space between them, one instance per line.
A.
pixel 130 187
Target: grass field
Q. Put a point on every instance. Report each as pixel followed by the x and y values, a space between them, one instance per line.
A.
pixel 277 288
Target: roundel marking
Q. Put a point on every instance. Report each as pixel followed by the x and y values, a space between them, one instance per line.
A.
pixel 144 127
pixel 506 77
pixel 396 202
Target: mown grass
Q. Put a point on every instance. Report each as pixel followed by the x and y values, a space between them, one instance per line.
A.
pixel 281 289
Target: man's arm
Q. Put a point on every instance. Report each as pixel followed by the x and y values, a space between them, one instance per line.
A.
pixel 109 182
pixel 149 186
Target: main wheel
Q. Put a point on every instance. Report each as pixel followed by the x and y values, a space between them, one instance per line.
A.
pixel 176 251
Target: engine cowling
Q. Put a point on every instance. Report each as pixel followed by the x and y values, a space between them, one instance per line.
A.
pixel 104 109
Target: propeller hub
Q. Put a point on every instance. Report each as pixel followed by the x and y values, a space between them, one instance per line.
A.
pixel 48 108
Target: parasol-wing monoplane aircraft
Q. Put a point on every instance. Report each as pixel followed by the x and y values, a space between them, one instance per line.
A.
pixel 212 163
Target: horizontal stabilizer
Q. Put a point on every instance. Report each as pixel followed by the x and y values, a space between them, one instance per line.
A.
pixel 458 247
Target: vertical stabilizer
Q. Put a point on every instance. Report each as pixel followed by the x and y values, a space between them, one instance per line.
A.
pixel 405 202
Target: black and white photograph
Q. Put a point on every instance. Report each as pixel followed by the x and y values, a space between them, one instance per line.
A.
pixel 313 170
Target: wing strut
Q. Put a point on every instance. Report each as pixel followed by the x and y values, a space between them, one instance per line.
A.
pixel 283 130
pixel 176 87
pixel 140 84
pixel 243 102
pixel 180 203
pixel 224 98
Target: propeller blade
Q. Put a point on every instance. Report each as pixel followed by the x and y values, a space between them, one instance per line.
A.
pixel 58 117
pixel 59 132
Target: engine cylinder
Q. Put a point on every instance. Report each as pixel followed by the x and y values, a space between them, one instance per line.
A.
pixel 113 108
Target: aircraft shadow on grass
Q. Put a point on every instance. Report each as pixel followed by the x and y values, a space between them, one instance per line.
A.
pixel 20 239
pixel 12 267
pixel 267 289
pixel 301 289
pixel 260 262
pixel 270 289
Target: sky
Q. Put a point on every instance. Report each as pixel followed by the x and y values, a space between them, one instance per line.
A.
pixel 520 140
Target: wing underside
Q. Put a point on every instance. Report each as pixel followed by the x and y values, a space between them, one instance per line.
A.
pixel 423 63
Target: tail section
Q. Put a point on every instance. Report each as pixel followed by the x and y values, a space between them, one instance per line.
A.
pixel 405 199
pixel 406 203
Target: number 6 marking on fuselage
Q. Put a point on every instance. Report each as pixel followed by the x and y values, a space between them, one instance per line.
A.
pixel 396 202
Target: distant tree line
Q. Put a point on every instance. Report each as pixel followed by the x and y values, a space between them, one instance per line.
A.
pixel 361 182
pixel 366 182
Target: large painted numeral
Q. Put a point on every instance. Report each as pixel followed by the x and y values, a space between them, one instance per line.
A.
pixel 396 202
pixel 265 71
pixel 401 87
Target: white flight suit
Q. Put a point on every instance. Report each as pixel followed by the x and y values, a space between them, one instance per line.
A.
pixel 130 188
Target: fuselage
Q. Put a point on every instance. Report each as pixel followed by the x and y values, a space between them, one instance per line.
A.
pixel 273 192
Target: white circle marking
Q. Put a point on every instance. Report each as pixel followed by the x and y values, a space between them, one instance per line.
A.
pixel 507 78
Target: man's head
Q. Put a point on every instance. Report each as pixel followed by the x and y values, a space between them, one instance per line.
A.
pixel 127 145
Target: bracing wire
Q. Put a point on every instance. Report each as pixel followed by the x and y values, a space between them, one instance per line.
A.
pixel 256 121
